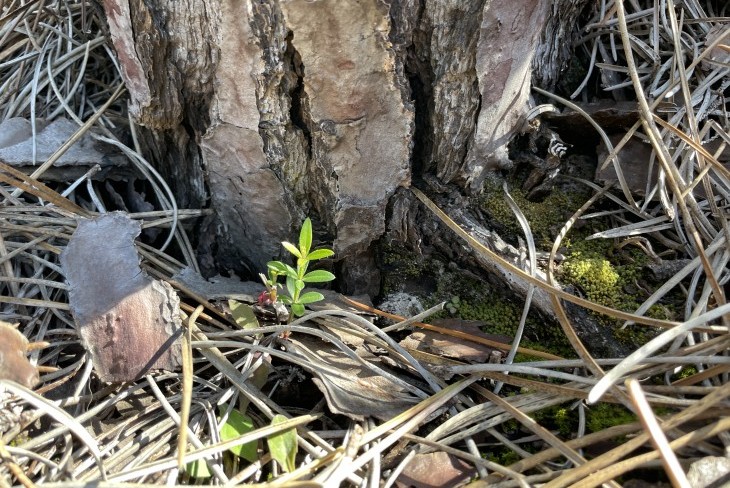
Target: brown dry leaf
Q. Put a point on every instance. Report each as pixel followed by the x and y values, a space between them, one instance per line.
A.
pixel 454 347
pixel 13 363
pixel 349 387
pixel 129 322
pixel 435 470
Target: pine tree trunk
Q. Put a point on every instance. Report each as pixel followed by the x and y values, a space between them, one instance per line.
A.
pixel 282 109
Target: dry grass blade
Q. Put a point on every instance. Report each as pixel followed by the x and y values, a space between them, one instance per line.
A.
pixel 531 289
pixel 20 180
pixel 187 392
pixel 449 332
pixel 658 439
pixel 610 458
pixel 652 346
pixel 59 416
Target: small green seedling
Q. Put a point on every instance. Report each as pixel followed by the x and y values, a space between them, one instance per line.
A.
pixel 283 446
pixel 236 425
pixel 297 278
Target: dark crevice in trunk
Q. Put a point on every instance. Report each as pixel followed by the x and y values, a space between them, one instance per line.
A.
pixel 420 77
pixel 422 140
pixel 297 111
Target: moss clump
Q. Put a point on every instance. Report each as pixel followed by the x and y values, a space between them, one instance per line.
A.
pixel 502 456
pixel 605 415
pixel 399 266
pixel 596 276
pixel 558 417
pixel 685 372
pixel 603 273
pixel 501 317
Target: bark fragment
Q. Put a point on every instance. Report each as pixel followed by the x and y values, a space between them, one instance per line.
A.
pixel 127 321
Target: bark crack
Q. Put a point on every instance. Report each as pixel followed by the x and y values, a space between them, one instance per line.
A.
pixel 420 76
pixel 298 111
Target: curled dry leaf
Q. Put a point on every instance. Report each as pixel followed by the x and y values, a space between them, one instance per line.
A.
pixel 13 363
pixel 435 470
pixel 455 347
pixel 349 387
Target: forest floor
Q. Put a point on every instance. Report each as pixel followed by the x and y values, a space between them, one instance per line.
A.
pixel 571 331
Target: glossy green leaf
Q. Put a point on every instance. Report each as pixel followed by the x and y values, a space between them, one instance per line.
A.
pixel 235 426
pixel 283 446
pixel 198 469
pixel 243 315
pixel 297 309
pixel 277 266
pixel 310 297
pixel 320 254
pixel 305 237
pixel 318 276
pixel 292 249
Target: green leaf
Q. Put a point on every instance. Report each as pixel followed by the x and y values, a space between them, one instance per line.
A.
pixel 292 249
pixel 320 254
pixel 318 276
pixel 291 272
pixel 283 446
pixel 243 315
pixel 310 297
pixel 277 266
pixel 235 426
pixel 305 237
pixel 198 469
pixel 299 284
pixel 297 309
pixel 290 286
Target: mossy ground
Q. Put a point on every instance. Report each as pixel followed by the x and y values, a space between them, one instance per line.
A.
pixel 546 217
pixel 601 270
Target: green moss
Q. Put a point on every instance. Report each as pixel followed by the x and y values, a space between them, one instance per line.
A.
pixel 546 218
pixel 685 372
pixel 596 276
pixel 604 274
pixel 605 415
pixel 501 317
pixel 503 456
pixel 557 417
pixel 399 265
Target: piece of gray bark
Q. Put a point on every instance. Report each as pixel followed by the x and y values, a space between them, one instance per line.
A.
pixel 129 323
pixel 16 144
pixel 710 471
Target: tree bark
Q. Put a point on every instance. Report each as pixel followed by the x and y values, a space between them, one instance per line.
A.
pixel 282 109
